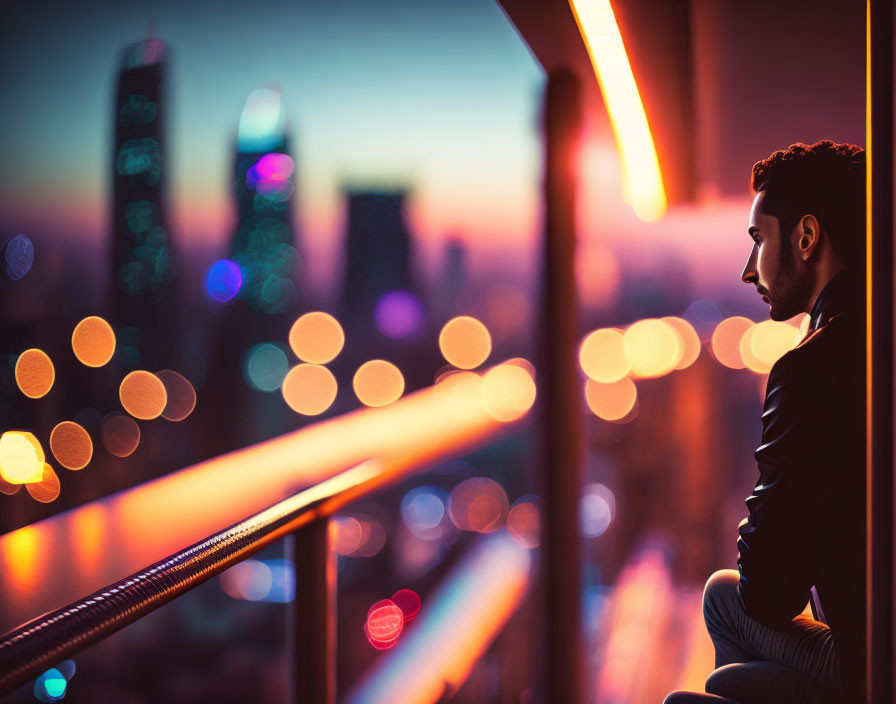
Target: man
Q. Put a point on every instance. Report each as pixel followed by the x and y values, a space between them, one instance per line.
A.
pixel 804 538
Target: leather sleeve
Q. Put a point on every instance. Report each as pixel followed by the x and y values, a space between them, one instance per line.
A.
pixel 776 539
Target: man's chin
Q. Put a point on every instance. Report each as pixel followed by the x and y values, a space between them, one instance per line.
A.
pixel 776 313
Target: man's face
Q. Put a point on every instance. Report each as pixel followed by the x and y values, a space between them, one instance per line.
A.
pixel 773 267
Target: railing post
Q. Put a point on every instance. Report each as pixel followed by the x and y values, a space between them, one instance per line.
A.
pixel 313 621
pixel 560 396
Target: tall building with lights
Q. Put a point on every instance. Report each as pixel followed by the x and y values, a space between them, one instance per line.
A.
pixel 144 264
pixel 377 253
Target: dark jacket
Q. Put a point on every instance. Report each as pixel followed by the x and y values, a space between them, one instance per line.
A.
pixel 807 512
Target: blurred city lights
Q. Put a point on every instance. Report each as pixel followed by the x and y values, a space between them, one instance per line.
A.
pixel 309 389
pixel 250 580
pixel 378 383
pixel 345 535
pixel 596 510
pixel 689 339
pixel 120 434
pixel 316 338
pixel 507 392
pixel 21 457
pixel 524 523
pixel 478 504
pixel 409 602
pixel 653 347
pixel 270 170
pixel 47 489
pixel 8 488
pixel 643 180
pixel 465 342
pixel 71 445
pixel 262 122
pixel 34 373
pixel 603 357
pixel 726 341
pixel 611 401
pixel 93 341
pixel 422 510
pixel 704 316
pixel 522 363
pixel 19 255
pixel 283 581
pixel 765 342
pixel 223 280
pixel 373 536
pixel 50 686
pixel 180 394
pixel 399 314
pixel 264 366
pixel 143 395
pixel 384 624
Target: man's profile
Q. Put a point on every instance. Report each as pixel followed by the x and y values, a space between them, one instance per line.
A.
pixel 804 538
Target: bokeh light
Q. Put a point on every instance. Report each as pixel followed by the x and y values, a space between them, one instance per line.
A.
pixel 522 363
pixel 143 395
pixel 50 686
pixel 19 256
pixel 21 457
pixel 180 394
pixel 309 389
pixel 422 510
pixel 373 536
pixel 764 343
pixel 120 434
pixel 71 445
pixel 689 339
pixel 409 602
pixel 47 489
pixel 465 342
pixel 596 510
pixel 384 624
pixel 726 341
pixel 524 522
pixel 399 314
pixel 803 320
pixel 704 316
pixel 507 392
pixel 93 341
pixel 611 401
pixel 250 580
pixel 654 348
pixel 223 280
pixel 316 338
pixel 345 535
pixel 478 504
pixel 378 383
pixel 34 373
pixel 603 357
pixel 264 366
pixel 8 488
pixel 283 581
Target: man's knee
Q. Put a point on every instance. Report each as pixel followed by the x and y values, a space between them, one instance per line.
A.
pixel 720 594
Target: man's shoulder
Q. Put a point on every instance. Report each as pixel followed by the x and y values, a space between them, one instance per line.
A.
pixel 835 350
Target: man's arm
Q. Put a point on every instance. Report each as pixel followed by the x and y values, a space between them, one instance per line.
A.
pixel 776 541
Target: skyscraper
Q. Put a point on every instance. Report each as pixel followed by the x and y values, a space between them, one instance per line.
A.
pixel 377 253
pixel 143 261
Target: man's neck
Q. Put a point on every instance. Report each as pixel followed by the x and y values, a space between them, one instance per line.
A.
pixel 826 271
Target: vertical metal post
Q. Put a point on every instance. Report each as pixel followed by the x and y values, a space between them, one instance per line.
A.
pixel 880 624
pixel 314 616
pixel 560 398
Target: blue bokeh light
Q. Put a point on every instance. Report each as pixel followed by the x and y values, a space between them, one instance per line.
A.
pixel 50 686
pixel 19 257
pixel 223 280
pixel 264 367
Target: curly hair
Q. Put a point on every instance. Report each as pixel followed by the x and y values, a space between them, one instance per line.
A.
pixel 825 179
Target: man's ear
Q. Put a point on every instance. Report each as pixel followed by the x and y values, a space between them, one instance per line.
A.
pixel 808 236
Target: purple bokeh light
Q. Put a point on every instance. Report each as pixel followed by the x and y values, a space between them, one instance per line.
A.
pixel 399 314
pixel 274 167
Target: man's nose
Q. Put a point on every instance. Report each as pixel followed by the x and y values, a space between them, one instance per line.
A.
pixel 750 275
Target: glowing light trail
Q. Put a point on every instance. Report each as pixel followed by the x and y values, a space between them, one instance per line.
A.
pixel 599 30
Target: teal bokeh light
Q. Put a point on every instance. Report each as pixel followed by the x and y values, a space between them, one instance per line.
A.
pixel 264 366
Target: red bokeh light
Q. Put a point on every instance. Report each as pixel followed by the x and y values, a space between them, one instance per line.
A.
pixel 409 602
pixel 384 623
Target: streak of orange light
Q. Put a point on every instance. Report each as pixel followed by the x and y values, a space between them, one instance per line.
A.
pixel 316 338
pixel 22 554
pixel 726 339
pixel 89 536
pixel 71 445
pixel 508 392
pixel 465 342
pixel 93 341
pixel 143 395
pixel 600 32
pixel 34 373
